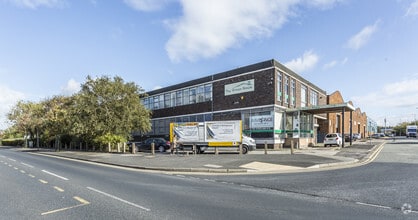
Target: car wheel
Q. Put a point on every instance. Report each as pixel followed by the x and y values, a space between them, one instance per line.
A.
pixel 325 145
pixel 161 149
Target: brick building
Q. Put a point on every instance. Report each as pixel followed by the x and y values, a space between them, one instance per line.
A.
pixel 334 122
pixel 266 96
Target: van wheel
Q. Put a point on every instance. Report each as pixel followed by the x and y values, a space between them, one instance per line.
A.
pixel 244 149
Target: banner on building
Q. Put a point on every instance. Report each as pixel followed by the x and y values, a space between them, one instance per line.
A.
pixel 261 122
pixel 239 87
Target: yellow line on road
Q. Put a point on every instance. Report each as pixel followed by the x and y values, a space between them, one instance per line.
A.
pixel 58 189
pixel 43 181
pixel 82 201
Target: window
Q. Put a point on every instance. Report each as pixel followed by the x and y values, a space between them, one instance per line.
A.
pixel 173 99
pixel 156 102
pixel 186 97
pixel 303 99
pixel 293 87
pixel 192 94
pixel 167 100
pixel 314 98
pixel 208 92
pixel 179 98
pixel 279 86
pixel 286 89
pixel 151 103
pixel 145 102
pixel 200 94
pixel 161 104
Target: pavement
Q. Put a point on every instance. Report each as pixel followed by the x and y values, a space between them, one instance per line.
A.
pixel 275 161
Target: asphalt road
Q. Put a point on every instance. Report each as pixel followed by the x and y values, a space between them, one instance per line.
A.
pixel 40 187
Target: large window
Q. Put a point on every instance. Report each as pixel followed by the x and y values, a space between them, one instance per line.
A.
pixel 200 93
pixel 293 86
pixel 167 100
pixel 208 92
pixel 286 89
pixel 279 86
pixel 186 98
pixel 179 98
pixel 192 95
pixel 303 97
pixel 314 98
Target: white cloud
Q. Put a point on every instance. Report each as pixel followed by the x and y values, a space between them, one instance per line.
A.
pixel 308 60
pixel 334 63
pixel 323 4
pixel 362 38
pixel 412 9
pixel 71 87
pixel 209 28
pixel 33 4
pixel 8 98
pixel 396 94
pixel 146 5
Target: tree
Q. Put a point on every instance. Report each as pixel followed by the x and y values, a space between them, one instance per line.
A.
pixel 26 117
pixel 106 107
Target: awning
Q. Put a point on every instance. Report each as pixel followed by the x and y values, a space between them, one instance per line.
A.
pixel 322 109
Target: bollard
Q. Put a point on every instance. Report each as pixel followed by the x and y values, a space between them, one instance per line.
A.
pixel 240 149
pixel 265 147
pixel 133 148
pixel 194 149
pixel 291 147
pixel 109 147
pixel 216 151
pixel 124 147
pixel 153 148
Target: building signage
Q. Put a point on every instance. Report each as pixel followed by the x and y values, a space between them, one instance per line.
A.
pixel 261 121
pixel 239 87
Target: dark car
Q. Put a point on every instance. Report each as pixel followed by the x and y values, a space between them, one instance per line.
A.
pixel 160 145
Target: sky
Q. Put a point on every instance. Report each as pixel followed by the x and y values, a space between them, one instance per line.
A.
pixel 366 49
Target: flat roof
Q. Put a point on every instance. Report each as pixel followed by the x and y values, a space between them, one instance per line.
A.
pixel 321 109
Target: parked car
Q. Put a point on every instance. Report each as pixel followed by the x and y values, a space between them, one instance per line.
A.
pixel 354 137
pixel 160 145
pixel 357 136
pixel 333 139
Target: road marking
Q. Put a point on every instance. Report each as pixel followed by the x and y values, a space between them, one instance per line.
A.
pixel 22 171
pixel 27 165
pixel 43 181
pixel 212 166
pixel 119 199
pixel 12 159
pixel 82 201
pixel 10 165
pixel 58 189
pixel 15 168
pixel 31 175
pixel 373 205
pixel 53 174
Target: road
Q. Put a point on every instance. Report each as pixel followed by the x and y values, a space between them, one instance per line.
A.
pixel 39 187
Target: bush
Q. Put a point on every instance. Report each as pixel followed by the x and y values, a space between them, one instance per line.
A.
pixel 13 142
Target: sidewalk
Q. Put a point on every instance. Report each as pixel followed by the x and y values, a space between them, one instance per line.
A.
pixel 255 161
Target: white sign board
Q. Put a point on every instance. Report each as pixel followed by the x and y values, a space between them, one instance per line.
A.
pixel 223 131
pixel 239 87
pixel 188 132
pixel 261 121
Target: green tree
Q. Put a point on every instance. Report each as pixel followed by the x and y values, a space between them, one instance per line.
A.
pixel 108 107
pixel 26 117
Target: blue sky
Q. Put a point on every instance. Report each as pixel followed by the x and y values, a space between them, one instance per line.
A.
pixel 368 50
